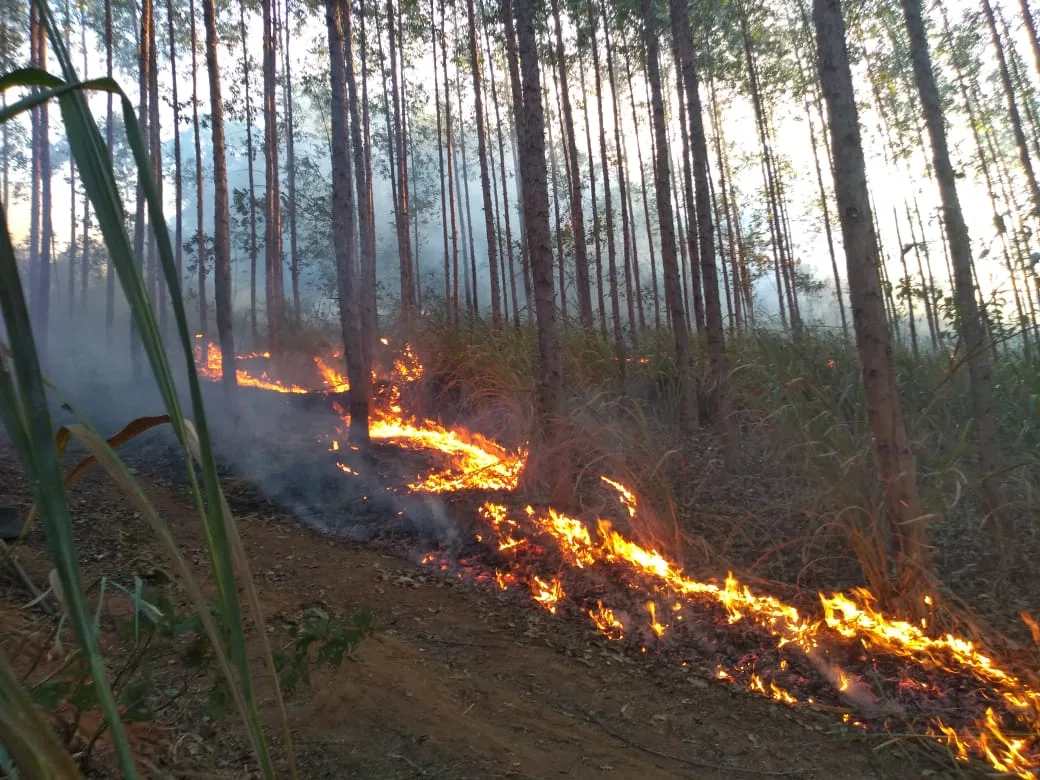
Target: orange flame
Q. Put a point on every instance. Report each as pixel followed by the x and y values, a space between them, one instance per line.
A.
pixel 473 462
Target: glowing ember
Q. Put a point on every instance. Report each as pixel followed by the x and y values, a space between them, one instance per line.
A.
pixel 473 462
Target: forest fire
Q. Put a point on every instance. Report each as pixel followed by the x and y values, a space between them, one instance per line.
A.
pixel 588 568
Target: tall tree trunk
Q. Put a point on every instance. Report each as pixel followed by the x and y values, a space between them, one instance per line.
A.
pixel 627 228
pixel 449 310
pixel 549 387
pixel 365 220
pixel 516 93
pixel 485 174
pixel 695 304
pixel 85 259
pixel 250 153
pixel 646 211
pixel 960 251
pixel 1013 115
pixel 110 135
pixel 502 175
pixel 581 254
pixel 156 289
pixel 451 281
pixel 1030 25
pixel 404 249
pixel 662 176
pixel 558 222
pixel 200 230
pixel 36 169
pixel 290 169
pixel 369 307
pixel 178 184
pixel 343 218
pixel 597 225
pixel 608 205
pixel 272 199
pixel 469 248
pixel 140 218
pixel 221 227
pixel 719 395
pixel 895 461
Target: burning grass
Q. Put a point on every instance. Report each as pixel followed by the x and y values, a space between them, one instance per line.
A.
pixel 845 654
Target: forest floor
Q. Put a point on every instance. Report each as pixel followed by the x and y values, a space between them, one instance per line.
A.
pixel 456 682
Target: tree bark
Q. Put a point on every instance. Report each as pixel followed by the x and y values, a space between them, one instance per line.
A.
pixel 367 231
pixel 719 395
pixel 272 197
pixel 896 467
pixel 971 326
pixel 290 170
pixel 221 228
pixel 404 249
pixel 669 263
pixel 250 153
pixel 549 386
pixel 608 205
pixel 485 175
pixel 200 229
pixel 343 220
pixel 581 254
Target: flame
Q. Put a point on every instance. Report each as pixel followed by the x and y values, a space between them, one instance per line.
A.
pixel 470 461
pixel 212 367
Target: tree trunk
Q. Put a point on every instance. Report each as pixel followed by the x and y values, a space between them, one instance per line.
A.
pixel 343 219
pixel 178 185
pixel 367 231
pixel 200 230
pixel 449 310
pixel 272 197
pixel 1015 117
pixel 85 259
pixel 549 387
pixel 141 216
pixel 896 467
pixel 581 254
pixel 608 206
pixel 485 173
pixel 246 70
pixel 516 93
pixel 221 228
pixel 1030 25
pixel 960 251
pixel 451 282
pixel 627 227
pixel 719 396
pixel 646 213
pixel 110 134
pixel 672 290
pixel 597 225
pixel 290 168
pixel 157 291
pixel 404 249
pixel 502 175
pixel 558 222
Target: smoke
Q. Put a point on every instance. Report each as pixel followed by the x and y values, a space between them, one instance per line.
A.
pixel 276 443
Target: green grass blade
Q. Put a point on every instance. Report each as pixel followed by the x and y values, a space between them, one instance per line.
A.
pixel 46 479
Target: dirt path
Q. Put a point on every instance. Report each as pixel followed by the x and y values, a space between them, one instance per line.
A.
pixel 463 683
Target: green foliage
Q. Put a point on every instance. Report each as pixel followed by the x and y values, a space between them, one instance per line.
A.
pixel 330 640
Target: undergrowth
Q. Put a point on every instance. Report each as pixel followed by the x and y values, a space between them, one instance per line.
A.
pixel 803 511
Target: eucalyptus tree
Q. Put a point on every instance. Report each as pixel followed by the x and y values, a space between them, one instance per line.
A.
pixel 896 465
pixel 956 232
pixel 663 186
pixel 337 14
pixel 221 228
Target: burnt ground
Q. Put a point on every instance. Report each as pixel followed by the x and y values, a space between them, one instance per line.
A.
pixel 457 682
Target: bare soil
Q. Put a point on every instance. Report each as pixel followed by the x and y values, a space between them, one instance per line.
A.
pixel 457 682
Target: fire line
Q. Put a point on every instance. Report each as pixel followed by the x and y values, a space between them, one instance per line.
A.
pixel 1006 735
